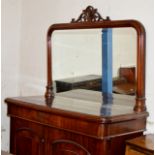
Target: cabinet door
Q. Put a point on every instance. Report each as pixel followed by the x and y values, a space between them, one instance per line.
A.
pixel 26 139
pixel 27 142
pixel 67 147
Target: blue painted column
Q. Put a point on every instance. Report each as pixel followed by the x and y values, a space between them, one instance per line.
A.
pixel 107 63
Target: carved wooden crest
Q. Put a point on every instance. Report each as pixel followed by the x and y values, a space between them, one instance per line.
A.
pixel 89 15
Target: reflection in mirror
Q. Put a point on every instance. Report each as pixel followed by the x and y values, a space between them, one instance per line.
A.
pixel 96 59
pixel 124 60
pixel 76 53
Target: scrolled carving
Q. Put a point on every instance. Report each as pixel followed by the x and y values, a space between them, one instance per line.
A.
pixel 62 143
pixel 89 15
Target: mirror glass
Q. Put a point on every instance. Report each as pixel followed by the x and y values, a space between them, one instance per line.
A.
pixel 96 59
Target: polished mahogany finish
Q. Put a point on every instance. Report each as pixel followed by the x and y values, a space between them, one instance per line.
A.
pixel 126 82
pixel 143 145
pixel 76 122
pixel 124 88
pixel 89 15
pixel 128 73
pixel 90 19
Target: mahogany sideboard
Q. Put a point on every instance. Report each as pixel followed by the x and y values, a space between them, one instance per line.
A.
pixel 77 122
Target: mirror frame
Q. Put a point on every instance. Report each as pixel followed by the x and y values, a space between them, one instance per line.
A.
pixel 91 19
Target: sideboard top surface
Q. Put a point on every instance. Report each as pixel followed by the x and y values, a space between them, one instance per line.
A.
pixel 85 104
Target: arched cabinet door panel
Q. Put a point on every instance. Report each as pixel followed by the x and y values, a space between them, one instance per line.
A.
pixel 27 142
pixel 68 147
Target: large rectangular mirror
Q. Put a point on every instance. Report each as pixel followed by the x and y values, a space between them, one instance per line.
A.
pixel 96 59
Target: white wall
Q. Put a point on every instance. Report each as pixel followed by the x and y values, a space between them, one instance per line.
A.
pixel 37 15
pixel 11 17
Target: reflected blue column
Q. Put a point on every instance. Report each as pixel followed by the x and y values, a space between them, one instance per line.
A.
pixel 106 71
pixel 107 62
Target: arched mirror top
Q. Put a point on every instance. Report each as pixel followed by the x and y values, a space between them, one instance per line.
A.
pixel 91 19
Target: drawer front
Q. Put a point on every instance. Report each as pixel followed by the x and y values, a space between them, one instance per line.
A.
pixel 26 138
pixel 130 151
pixel 133 151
